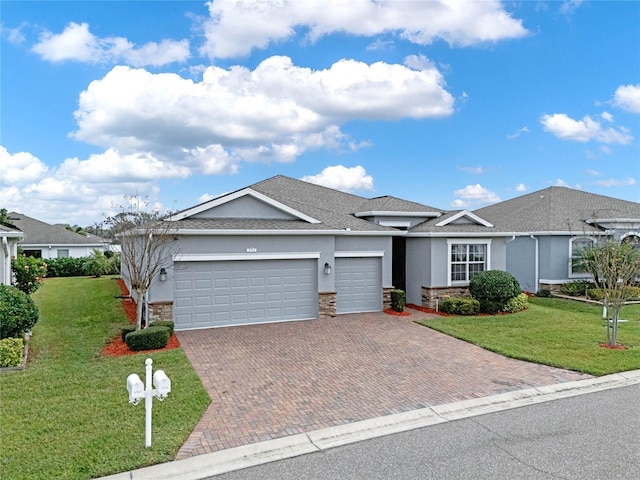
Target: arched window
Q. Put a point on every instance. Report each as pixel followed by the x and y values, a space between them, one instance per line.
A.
pixel 632 238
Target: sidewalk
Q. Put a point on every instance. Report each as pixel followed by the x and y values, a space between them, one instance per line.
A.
pixel 207 465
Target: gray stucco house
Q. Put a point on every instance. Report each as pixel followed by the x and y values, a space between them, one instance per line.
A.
pixel 283 249
pixel 43 240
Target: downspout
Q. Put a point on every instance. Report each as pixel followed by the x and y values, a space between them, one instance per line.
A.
pixel 536 262
pixel 7 261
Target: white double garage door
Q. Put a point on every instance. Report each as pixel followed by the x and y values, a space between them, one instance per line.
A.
pixel 240 292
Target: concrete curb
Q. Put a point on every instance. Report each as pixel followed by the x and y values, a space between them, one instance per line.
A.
pixel 203 466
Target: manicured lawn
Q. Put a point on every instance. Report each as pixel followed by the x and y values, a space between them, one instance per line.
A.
pixel 67 415
pixel 561 333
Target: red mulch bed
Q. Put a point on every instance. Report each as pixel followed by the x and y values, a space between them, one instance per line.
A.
pixel 117 347
pixel 427 310
pixel 391 311
pixel 613 347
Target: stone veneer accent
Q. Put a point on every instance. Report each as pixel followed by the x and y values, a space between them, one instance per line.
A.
pixel 327 304
pixel 554 287
pixel 160 311
pixel 431 294
pixel 386 297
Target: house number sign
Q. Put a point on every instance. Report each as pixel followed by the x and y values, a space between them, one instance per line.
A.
pixel 252 249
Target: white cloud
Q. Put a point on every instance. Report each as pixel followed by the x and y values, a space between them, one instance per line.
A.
pixel 570 6
pixel 19 168
pixel 13 35
pixel 561 183
pixel 626 182
pixel 77 43
pixel 627 97
pixel 607 117
pixel 275 112
pixel 607 150
pixel 585 130
pixel 521 187
pixel 474 195
pixel 92 187
pixel 342 178
pixel 474 170
pixel 457 23
pixel 593 173
pixel 518 132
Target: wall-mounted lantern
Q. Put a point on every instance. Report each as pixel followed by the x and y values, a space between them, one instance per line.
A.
pixel 327 269
pixel 163 274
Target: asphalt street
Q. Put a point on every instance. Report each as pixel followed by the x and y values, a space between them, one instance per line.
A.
pixel 593 436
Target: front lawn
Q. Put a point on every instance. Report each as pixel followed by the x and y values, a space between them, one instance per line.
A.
pixel 67 415
pixel 552 331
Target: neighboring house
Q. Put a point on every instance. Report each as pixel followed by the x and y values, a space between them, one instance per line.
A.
pixel 42 240
pixel 284 249
pixel 10 237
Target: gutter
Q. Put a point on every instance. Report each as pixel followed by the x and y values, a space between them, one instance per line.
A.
pixel 536 267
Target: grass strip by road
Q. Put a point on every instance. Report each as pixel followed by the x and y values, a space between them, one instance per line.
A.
pixel 561 333
pixel 67 416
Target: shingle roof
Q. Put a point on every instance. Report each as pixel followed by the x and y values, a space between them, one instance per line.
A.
pixel 556 209
pixel 388 203
pixel 41 233
pixel 10 230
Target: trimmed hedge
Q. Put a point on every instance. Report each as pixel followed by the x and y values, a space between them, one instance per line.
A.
pixel 493 289
pixel 148 339
pixel 632 293
pixel 66 267
pixel 11 352
pixel 517 304
pixel 126 331
pixel 164 323
pixel 398 300
pixel 576 288
pixel 460 306
pixel 544 292
pixel 18 313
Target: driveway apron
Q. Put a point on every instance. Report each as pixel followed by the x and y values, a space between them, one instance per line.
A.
pixel 273 380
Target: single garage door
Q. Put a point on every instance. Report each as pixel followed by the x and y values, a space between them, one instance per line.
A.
pixel 223 293
pixel 358 285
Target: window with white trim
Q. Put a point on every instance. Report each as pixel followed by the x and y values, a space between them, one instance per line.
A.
pixel 576 246
pixel 467 259
pixel 63 253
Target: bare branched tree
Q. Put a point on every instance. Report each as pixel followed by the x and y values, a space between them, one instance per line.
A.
pixel 615 266
pixel 146 241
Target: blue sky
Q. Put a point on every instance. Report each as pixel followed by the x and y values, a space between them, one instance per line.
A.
pixel 451 104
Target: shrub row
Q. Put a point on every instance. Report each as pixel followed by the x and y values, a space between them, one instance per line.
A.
pixel 18 313
pixel 576 288
pixel 148 339
pixel 460 306
pixel 11 352
pixel 631 293
pixel 77 267
pixel 156 336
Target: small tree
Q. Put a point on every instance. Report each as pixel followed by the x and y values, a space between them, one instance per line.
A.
pixel 614 266
pixel 28 272
pixel 146 243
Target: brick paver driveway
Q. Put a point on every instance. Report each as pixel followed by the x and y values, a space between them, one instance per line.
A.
pixel 279 379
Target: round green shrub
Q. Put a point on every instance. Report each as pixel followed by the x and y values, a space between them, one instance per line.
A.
pixel 493 289
pixel 543 292
pixel 576 288
pixel 18 313
pixel 148 338
pixel 11 352
pixel 517 304
pixel 460 306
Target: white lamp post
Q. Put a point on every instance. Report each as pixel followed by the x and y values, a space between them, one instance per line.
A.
pixel 138 391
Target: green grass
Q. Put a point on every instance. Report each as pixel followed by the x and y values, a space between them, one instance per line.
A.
pixel 552 331
pixel 67 415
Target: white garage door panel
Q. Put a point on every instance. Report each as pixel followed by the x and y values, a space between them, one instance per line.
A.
pixel 358 285
pixel 209 294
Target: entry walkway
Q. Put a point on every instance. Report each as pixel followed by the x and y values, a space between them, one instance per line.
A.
pixel 280 379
